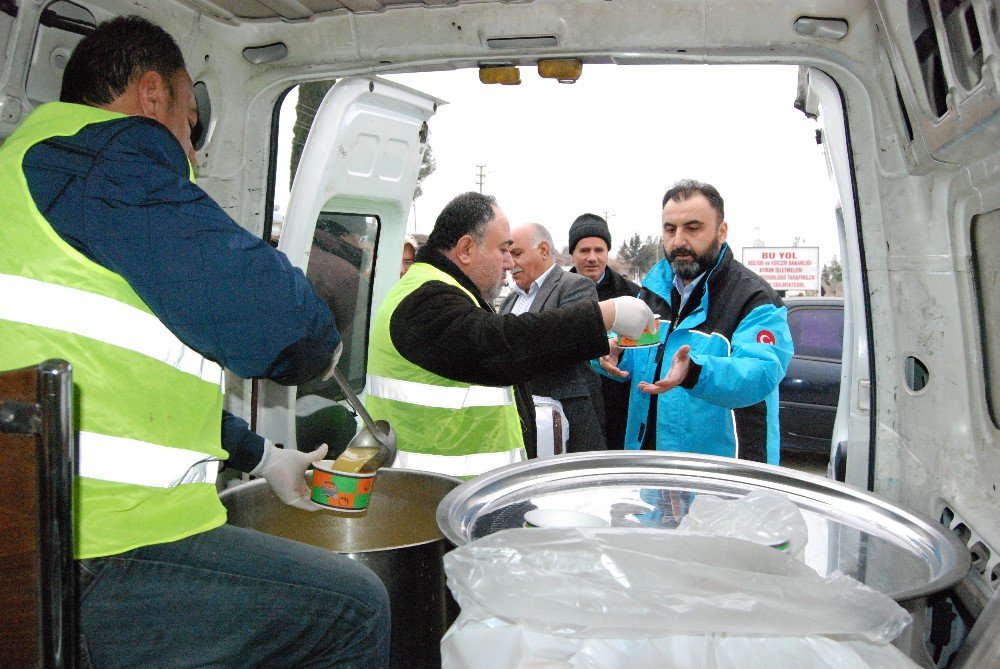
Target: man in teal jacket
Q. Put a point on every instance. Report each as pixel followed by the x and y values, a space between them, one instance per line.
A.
pixel 724 341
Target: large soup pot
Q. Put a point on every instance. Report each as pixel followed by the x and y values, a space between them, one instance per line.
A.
pixel 396 537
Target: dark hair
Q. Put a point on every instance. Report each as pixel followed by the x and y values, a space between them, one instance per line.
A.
pixel 467 214
pixel 685 188
pixel 107 60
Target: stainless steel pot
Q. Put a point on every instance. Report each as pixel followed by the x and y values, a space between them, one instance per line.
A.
pixel 397 538
pixel 890 549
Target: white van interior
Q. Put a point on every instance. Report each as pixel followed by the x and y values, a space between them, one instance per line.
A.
pixel 906 92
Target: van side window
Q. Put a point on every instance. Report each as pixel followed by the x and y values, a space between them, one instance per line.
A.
pixel 985 261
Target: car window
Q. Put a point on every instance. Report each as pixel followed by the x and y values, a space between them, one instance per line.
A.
pixel 817 332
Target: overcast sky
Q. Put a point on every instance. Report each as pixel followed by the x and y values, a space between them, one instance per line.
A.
pixel 616 139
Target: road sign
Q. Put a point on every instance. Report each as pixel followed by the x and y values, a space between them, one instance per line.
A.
pixel 785 267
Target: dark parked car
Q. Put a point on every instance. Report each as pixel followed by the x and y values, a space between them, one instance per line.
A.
pixel 811 387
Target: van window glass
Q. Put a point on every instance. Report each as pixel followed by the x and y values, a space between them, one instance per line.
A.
pixel 340 269
pixel 963 41
pixel 61 27
pixel 817 333
pixel 928 55
pixel 985 261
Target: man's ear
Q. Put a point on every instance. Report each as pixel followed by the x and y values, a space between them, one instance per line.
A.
pixel 544 249
pixel 154 95
pixel 464 249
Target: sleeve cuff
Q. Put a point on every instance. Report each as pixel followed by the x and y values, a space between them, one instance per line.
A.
pixel 691 380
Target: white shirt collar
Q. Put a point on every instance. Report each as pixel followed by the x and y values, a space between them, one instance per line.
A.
pixel 535 285
pixel 685 291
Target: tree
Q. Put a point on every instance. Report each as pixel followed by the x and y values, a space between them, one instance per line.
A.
pixel 832 273
pixel 311 94
pixel 427 167
pixel 640 254
pixel 629 252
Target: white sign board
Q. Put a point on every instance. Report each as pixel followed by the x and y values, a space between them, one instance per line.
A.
pixel 785 267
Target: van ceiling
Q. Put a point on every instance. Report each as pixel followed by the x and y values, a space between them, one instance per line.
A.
pixel 296 10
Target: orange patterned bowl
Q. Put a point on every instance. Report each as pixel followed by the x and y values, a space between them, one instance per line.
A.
pixel 341 490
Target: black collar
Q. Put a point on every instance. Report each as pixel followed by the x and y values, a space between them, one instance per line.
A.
pixel 436 259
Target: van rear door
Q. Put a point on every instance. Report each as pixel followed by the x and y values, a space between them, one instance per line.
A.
pixel 344 227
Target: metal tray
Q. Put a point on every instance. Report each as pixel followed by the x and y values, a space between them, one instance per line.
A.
pixel 890 549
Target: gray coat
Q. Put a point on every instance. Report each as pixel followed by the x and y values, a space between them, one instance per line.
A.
pixel 560 289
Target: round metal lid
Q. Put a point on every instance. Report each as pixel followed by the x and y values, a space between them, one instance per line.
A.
pixel 890 549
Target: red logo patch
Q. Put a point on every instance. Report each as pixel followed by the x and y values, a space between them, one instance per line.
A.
pixel 766 337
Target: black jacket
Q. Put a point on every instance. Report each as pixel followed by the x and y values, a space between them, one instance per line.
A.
pixel 439 329
pixel 615 393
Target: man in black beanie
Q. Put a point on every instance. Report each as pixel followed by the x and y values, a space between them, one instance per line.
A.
pixel 589 244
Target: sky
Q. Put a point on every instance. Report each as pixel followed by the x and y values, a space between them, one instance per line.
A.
pixel 614 141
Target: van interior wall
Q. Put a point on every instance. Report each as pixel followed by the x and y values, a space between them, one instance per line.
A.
pixel 935 446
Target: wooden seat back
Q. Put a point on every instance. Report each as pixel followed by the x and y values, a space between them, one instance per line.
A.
pixel 38 616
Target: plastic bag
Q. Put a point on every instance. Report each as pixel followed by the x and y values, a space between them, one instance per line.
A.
pixel 574 597
pixel 762 516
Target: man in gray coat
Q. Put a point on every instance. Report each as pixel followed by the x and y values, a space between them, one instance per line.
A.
pixel 540 285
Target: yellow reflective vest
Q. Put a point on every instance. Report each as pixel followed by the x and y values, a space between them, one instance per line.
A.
pixel 441 425
pixel 149 409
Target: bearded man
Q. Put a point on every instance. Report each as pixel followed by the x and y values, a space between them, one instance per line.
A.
pixel 724 335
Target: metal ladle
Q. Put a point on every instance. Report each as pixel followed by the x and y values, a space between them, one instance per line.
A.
pixel 375 434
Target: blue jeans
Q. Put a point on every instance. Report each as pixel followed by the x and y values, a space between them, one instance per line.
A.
pixel 232 597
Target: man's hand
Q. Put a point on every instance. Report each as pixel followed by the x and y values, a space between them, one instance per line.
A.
pixel 284 470
pixel 633 317
pixel 609 362
pixel 678 371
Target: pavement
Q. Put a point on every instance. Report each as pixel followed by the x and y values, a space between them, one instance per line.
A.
pixel 811 463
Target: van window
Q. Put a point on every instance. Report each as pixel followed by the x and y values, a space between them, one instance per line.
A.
pixel 985 261
pixel 340 269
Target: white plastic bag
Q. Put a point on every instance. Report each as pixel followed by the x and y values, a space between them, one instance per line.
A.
pixel 761 516
pixel 572 597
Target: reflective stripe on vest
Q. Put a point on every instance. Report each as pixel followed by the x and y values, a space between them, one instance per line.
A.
pixel 462 466
pixel 97 317
pixel 441 397
pixel 141 463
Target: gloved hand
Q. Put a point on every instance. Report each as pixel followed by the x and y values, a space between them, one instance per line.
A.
pixel 284 470
pixel 632 316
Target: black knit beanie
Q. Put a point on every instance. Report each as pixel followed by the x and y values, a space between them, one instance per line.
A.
pixel 588 225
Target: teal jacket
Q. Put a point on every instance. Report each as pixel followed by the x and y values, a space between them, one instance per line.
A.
pixel 737 328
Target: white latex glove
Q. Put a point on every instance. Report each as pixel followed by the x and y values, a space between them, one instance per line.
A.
pixel 284 470
pixel 632 316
